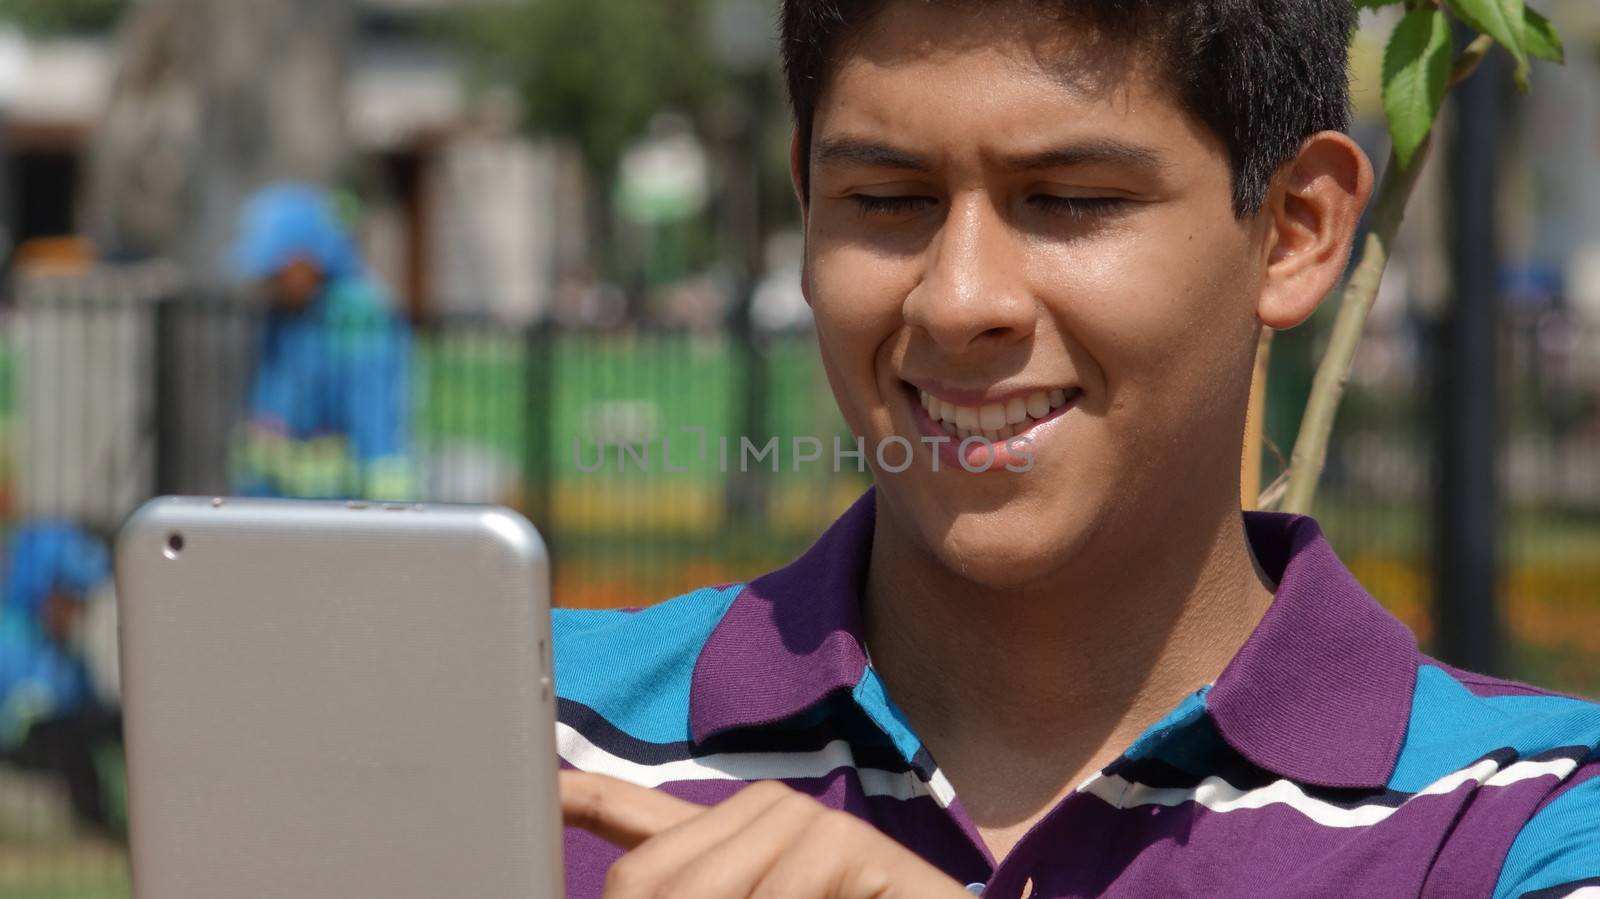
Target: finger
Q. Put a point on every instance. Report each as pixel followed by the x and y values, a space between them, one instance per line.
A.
pixel 674 847
pixel 619 812
pixel 841 857
pixel 729 867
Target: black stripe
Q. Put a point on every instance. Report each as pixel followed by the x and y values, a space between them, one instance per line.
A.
pixel 1562 890
pixel 1240 774
pixel 866 752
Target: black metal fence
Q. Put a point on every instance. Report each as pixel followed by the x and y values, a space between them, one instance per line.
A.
pixel 607 440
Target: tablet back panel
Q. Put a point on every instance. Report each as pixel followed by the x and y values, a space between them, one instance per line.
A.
pixel 337 700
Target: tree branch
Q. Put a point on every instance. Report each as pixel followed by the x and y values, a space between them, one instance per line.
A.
pixel 1360 292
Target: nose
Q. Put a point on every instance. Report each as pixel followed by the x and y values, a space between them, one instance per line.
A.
pixel 972 291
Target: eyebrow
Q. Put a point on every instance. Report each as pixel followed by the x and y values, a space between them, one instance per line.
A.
pixel 869 153
pixel 1099 151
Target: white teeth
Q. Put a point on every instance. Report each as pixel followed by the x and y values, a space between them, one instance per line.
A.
pixel 1004 433
pixel 992 417
pixel 949 427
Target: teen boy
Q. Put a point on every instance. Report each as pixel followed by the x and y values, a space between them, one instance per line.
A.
pixel 1066 221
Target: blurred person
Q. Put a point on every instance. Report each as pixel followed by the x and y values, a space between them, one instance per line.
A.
pixel 50 716
pixel 329 408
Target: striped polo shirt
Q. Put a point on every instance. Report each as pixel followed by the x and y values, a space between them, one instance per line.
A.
pixel 1330 757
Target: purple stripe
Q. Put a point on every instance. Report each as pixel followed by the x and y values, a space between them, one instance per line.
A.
pixel 1090 848
pixel 1469 864
pixel 1484 686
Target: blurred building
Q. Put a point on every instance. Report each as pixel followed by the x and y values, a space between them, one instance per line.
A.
pixel 466 215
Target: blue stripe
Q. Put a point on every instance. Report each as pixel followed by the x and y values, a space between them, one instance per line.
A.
pixel 634 668
pixel 870 695
pixel 1559 846
pixel 1451 728
pixel 1190 754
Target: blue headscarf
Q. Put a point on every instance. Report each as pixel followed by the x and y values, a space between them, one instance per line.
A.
pixel 289 221
pixel 39 678
pixel 48 557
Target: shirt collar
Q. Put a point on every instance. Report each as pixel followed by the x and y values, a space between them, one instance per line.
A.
pixel 1320 693
pixel 790 637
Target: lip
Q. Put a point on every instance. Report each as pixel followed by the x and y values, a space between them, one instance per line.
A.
pixel 976 457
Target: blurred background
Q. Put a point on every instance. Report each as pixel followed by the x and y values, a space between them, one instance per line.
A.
pixel 496 250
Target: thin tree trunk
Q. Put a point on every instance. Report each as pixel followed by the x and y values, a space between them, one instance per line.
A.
pixel 214 98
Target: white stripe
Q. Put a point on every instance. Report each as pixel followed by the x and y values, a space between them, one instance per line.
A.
pixel 1524 770
pixel 1218 795
pixel 1584 893
pixel 941 790
pixel 582 754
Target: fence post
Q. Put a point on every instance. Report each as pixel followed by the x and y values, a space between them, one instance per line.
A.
pixel 1466 362
pixel 538 477
pixel 164 397
pixel 747 491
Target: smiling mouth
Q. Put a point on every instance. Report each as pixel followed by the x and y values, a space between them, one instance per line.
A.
pixel 996 422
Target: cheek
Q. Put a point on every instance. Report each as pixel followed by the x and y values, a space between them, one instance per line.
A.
pixel 856 298
pixel 1162 323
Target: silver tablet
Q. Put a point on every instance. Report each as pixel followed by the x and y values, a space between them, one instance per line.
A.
pixel 328 699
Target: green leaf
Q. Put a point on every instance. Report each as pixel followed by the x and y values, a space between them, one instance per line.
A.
pixel 1416 74
pixel 1376 4
pixel 1541 38
pixel 1502 20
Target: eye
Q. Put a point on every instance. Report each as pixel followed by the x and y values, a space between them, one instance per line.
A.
pixel 1077 208
pixel 871 205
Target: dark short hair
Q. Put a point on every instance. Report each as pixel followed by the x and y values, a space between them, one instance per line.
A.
pixel 1264 75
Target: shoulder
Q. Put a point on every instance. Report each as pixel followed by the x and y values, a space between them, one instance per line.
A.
pixel 357 300
pixel 630 670
pixel 1544 745
pixel 1459 718
pixel 1556 852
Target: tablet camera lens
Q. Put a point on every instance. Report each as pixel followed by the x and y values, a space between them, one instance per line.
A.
pixel 174 545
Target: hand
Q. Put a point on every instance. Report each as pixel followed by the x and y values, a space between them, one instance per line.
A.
pixel 767 840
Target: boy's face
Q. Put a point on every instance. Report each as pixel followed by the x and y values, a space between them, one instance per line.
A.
pixel 295 285
pixel 986 220
pixel 59 615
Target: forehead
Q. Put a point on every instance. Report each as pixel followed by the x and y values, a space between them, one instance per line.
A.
pixel 1004 72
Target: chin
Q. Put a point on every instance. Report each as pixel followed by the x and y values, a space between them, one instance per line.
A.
pixel 1006 554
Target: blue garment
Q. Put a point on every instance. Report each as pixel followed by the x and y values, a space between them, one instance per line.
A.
pixel 39 677
pixel 329 409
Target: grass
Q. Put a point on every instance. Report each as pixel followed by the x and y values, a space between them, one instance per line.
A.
pixel 72 870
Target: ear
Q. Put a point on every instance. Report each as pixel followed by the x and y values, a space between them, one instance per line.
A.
pixel 1312 211
pixel 797 178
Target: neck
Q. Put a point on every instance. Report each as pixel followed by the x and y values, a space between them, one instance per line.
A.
pixel 1021 692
